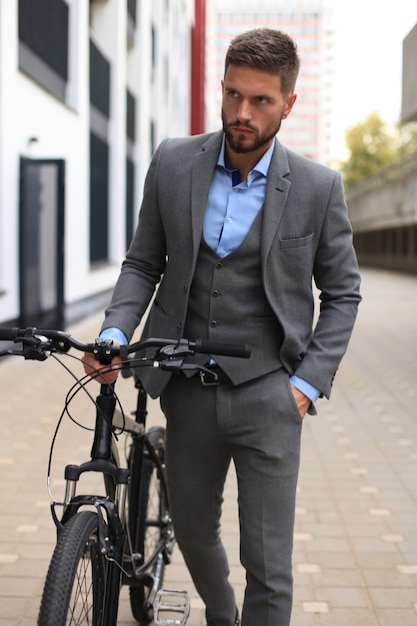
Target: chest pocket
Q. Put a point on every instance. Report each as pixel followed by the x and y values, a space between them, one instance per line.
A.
pixel 296 241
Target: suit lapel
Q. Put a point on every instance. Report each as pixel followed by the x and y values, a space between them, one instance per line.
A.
pixel 276 195
pixel 277 188
pixel 201 176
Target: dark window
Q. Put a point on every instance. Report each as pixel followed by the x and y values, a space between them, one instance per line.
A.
pixel 99 155
pixel 130 116
pixel 131 9
pixel 153 47
pixel 130 200
pixel 99 199
pixel 384 242
pixel 393 236
pixel 404 240
pixel 43 43
pixel 152 131
pixel 43 27
pixel 130 164
pixel 99 80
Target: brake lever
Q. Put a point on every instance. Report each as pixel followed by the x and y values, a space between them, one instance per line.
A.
pixel 178 365
pixel 174 365
pixel 182 348
pixel 35 347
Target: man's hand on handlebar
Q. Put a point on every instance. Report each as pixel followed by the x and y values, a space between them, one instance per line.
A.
pixel 102 360
pixel 109 372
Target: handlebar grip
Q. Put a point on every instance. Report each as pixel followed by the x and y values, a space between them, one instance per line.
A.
pixel 9 333
pixel 242 351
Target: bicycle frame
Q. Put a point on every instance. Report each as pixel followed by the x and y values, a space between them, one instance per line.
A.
pixel 108 535
pixel 103 449
pixel 101 453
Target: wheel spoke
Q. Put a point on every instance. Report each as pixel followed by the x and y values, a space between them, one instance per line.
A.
pixel 152 524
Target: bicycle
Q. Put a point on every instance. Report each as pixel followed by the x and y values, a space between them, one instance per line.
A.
pixel 126 536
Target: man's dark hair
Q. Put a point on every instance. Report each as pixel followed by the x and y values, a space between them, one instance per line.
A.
pixel 269 50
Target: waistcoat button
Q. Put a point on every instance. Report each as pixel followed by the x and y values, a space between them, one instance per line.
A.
pixel 218 265
pixel 215 293
pixel 213 323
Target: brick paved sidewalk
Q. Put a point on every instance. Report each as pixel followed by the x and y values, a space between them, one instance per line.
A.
pixel 355 558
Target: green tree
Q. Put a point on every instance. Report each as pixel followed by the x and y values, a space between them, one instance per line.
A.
pixel 374 145
pixel 371 148
pixel 407 140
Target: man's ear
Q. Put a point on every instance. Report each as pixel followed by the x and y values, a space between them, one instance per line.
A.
pixel 289 105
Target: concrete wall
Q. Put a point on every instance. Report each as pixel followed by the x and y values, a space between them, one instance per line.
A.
pixel 387 200
pixel 409 82
pixel 383 212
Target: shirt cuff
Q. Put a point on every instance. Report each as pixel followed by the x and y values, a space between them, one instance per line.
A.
pixel 305 387
pixel 115 334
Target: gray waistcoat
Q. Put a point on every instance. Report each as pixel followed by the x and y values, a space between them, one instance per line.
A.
pixel 228 304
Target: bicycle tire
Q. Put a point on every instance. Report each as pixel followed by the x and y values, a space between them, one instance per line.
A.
pixel 151 524
pixel 80 579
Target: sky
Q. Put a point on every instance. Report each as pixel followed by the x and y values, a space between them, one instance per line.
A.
pixel 368 62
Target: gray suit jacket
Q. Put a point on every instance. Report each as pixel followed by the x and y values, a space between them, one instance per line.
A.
pixel 306 235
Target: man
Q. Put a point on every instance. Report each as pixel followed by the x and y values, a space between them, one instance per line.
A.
pixel 238 226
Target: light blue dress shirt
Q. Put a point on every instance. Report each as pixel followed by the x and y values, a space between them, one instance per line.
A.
pixel 232 206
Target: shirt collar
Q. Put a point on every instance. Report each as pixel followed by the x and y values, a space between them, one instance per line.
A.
pixel 261 166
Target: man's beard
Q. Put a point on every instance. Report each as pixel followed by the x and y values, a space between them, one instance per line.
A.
pixel 259 140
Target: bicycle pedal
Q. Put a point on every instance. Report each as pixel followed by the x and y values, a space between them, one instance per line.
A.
pixel 171 608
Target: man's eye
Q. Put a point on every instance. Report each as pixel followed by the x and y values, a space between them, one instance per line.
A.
pixel 261 100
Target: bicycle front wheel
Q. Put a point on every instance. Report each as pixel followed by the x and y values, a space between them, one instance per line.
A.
pixel 80 580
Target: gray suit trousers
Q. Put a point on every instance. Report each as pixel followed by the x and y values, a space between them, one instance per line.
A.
pixel 258 426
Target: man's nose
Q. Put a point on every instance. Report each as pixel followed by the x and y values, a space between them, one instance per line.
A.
pixel 244 113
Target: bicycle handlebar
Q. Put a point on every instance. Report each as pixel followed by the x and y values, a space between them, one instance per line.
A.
pixel 8 334
pixel 39 343
pixel 204 346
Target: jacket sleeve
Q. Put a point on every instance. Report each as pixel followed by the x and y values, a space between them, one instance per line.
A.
pixel 337 279
pixel 144 263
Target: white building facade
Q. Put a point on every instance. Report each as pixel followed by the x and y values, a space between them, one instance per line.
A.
pixel 87 91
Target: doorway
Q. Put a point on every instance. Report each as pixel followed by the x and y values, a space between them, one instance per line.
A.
pixel 41 246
